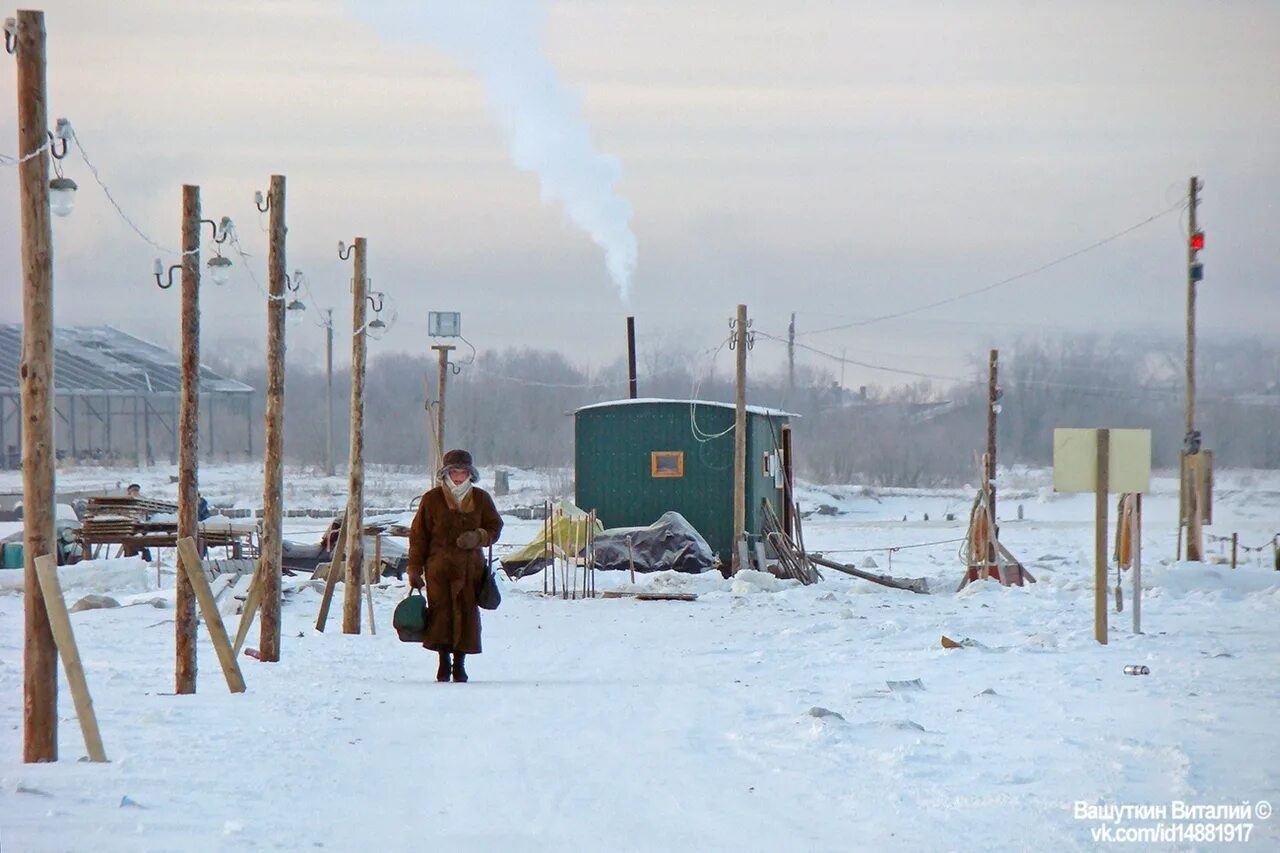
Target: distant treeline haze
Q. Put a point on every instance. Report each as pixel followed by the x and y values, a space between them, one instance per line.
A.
pixel 513 407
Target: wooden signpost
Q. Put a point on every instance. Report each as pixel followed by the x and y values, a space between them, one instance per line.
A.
pixel 1103 461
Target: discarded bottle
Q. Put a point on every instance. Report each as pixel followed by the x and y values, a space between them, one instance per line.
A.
pixel 1135 669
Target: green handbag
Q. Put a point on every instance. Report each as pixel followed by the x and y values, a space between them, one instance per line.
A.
pixel 410 617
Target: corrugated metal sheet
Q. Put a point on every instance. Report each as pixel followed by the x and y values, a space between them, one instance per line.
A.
pixel 102 359
pixel 613 447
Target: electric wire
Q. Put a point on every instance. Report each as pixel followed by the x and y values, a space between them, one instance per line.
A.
pixel 93 170
pixel 1061 259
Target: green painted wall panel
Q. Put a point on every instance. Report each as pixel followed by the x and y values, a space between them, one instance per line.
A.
pixel 613 475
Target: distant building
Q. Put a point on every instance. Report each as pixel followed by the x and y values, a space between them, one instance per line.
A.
pixel 636 459
pixel 116 399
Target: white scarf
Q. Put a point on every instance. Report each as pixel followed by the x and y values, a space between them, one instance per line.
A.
pixel 458 490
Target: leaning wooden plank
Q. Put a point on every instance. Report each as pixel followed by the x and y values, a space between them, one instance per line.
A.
pixel 918 585
pixel 189 558
pixel 368 597
pixel 811 571
pixel 60 623
pixel 1012 559
pixel 331 580
pixel 251 601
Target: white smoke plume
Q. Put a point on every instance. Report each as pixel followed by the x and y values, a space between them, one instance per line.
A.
pixel 502 42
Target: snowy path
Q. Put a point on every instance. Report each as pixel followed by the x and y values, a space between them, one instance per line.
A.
pixel 615 724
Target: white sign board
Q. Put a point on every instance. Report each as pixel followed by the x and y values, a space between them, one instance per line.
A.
pixel 1075 460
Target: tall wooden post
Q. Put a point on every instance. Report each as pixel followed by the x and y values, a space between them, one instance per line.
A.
pixel 1102 475
pixel 442 351
pixel 188 437
pixel 268 580
pixel 355 478
pixel 328 393
pixel 1191 507
pixel 740 439
pixel 788 483
pixel 35 375
pixel 632 388
pixel 993 396
pixel 791 356
pixel 1136 568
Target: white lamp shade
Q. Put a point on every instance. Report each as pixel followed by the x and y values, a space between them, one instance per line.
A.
pixel 62 196
pixel 219 269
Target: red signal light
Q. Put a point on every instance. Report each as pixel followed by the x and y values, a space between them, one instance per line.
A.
pixel 1197 240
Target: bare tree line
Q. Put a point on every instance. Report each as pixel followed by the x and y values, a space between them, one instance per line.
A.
pixel 515 407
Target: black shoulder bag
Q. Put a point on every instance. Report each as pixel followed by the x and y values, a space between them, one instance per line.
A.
pixel 489 596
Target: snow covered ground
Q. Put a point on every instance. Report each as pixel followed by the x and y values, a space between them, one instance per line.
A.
pixel 758 717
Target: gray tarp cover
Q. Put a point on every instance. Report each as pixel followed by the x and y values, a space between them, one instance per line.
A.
pixel 670 543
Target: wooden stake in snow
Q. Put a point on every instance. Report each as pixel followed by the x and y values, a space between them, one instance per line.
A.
pixel 246 615
pixel 189 561
pixel 331 579
pixel 47 571
pixel 374 573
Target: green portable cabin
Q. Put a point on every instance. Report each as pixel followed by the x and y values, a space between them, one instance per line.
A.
pixel 636 459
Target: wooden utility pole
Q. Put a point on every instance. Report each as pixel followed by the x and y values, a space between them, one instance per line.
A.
pixel 740 439
pixel 1135 568
pixel 1102 475
pixel 632 389
pixel 268 580
pixel 188 438
pixel 791 355
pixel 328 393
pixel 355 479
pixel 39 652
pixel 993 397
pixel 442 352
pixel 1190 468
pixel 788 483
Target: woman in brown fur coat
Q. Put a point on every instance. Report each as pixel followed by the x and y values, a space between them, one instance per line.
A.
pixel 454 522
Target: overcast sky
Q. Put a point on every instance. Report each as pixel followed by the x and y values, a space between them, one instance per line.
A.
pixel 842 160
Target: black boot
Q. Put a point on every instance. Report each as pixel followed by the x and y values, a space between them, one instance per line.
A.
pixel 459 672
pixel 442 671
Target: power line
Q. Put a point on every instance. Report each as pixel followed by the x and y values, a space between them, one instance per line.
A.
pixel 865 364
pixel 699 435
pixel 93 170
pixel 6 160
pixel 1005 281
pixel 1009 383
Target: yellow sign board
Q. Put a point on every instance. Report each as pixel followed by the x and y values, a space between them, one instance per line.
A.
pixel 1075 460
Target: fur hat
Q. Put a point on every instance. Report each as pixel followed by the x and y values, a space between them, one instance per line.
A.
pixel 458 459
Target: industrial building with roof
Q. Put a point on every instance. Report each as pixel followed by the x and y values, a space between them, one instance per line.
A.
pixel 116 399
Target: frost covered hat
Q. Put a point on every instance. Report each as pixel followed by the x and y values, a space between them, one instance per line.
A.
pixel 458 460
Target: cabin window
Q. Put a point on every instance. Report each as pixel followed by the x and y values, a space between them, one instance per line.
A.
pixel 666 463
